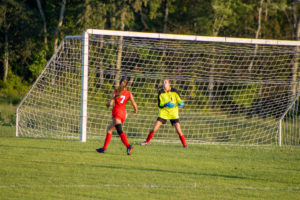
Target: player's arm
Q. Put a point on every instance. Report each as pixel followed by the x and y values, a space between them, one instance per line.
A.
pixel 160 101
pixel 110 101
pixel 179 101
pixel 133 103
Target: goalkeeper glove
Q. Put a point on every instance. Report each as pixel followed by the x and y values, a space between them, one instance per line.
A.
pixel 180 105
pixel 169 104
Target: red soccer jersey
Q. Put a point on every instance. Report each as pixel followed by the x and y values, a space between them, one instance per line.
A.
pixel 119 109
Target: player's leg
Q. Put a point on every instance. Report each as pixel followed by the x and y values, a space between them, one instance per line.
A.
pixel 109 130
pixel 176 124
pixel 157 124
pixel 118 125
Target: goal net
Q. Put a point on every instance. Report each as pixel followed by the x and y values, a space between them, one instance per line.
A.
pixel 240 91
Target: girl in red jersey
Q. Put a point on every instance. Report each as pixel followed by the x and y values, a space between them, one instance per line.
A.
pixel 119 99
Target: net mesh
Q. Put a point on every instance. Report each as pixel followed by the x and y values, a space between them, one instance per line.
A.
pixel 233 93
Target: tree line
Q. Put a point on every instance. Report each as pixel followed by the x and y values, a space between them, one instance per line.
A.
pixel 31 30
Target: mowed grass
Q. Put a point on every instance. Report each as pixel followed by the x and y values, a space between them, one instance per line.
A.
pixel 51 169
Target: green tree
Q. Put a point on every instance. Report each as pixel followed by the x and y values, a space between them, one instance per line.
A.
pixel 18 25
pixel 92 15
pixel 39 61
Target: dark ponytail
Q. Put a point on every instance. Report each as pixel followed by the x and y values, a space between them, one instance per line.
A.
pixel 122 85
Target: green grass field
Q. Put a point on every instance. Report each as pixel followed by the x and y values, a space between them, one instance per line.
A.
pixel 51 169
pixel 32 168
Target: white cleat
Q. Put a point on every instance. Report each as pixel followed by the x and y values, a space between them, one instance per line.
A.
pixel 144 143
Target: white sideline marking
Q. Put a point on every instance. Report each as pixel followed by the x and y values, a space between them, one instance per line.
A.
pixel 152 186
pixel 105 185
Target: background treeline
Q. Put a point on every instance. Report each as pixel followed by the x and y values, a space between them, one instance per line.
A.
pixel 31 30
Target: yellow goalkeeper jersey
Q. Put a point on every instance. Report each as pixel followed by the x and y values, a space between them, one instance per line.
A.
pixel 163 98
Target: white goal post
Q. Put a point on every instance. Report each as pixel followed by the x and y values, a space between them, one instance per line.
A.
pixel 236 90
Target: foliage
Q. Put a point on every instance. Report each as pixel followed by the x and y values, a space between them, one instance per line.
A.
pixel 14 88
pixel 21 22
pixel 245 96
pixel 7 113
pixel 38 64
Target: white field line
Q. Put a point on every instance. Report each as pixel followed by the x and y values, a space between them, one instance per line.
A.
pixel 101 186
pixel 148 186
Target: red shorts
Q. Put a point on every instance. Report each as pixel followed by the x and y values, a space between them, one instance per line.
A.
pixel 120 115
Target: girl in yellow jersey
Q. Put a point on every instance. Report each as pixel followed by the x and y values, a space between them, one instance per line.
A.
pixel 168 103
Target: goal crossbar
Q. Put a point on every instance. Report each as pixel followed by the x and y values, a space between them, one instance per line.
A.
pixel 193 37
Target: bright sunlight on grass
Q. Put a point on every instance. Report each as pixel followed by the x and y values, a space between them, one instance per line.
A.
pixel 50 169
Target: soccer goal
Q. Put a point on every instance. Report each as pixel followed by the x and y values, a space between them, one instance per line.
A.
pixel 240 91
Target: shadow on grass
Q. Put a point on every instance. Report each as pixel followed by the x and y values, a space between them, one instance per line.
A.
pixel 170 171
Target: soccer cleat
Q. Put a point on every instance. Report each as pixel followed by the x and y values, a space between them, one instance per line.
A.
pixel 129 149
pixel 144 143
pixel 101 150
pixel 185 146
